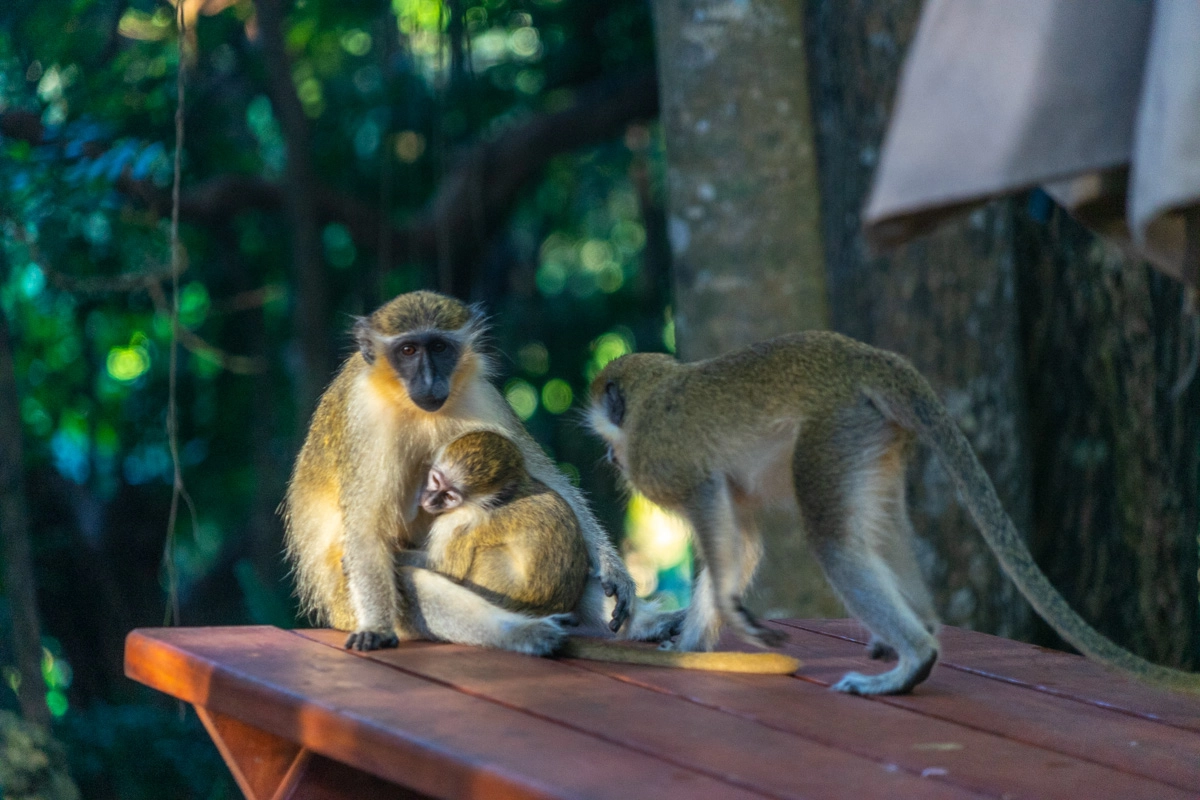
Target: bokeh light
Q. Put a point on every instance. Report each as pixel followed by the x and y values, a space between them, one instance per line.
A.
pixel 127 364
pixel 522 397
pixel 534 358
pixel 655 542
pixel 557 396
pixel 356 42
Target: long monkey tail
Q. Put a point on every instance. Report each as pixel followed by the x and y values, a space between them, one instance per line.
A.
pixel 911 403
pixel 621 653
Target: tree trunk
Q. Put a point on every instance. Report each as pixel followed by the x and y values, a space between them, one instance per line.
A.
pixel 310 320
pixel 1115 467
pixel 947 302
pixel 743 211
pixel 14 530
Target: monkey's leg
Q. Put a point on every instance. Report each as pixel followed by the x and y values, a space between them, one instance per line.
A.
pixel 897 547
pixel 445 610
pixel 702 620
pixel 750 541
pixel 369 573
pixel 845 485
pixel 726 555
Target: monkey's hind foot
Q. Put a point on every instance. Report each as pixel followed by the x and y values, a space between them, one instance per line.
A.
pixel 900 680
pixel 656 627
pixel 753 630
pixel 541 636
pixel 371 640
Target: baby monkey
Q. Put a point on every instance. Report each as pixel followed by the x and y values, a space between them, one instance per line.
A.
pixel 517 544
pixel 500 532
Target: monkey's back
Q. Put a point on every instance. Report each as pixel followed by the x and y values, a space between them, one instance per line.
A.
pixel 531 554
pixel 761 395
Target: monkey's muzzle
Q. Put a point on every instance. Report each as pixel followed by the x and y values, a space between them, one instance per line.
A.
pixel 431 399
pixel 439 495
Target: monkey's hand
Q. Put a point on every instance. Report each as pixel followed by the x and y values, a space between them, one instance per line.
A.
pixel 372 640
pixel 616 582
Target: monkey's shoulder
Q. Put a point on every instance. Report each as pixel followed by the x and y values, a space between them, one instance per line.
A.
pixel 535 505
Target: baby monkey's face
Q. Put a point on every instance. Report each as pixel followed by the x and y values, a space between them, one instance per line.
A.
pixel 440 494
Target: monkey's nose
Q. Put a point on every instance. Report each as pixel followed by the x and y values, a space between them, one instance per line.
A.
pixel 431 401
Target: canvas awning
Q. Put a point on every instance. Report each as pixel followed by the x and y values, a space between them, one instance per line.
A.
pixel 1097 101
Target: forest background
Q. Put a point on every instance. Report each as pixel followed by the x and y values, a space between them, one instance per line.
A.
pixel 512 153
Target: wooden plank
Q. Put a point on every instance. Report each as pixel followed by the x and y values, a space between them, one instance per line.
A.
pixel 731 747
pixel 918 744
pixel 1082 730
pixel 392 725
pixel 1043 669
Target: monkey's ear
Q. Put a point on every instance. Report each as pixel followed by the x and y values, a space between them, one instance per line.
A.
pixel 363 336
pixel 614 404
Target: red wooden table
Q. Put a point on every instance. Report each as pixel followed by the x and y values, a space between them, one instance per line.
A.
pixel 296 716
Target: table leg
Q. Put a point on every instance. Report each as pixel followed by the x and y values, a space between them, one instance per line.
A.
pixel 268 767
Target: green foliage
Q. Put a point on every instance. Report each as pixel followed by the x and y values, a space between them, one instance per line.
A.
pixel 144 752
pixel 566 284
pixel 33 766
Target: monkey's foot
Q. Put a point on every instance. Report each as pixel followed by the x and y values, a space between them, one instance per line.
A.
pixel 880 650
pixel 753 630
pixel 371 640
pixel 657 627
pixel 537 637
pixel 900 680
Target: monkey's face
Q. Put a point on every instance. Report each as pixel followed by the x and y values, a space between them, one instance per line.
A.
pixel 440 494
pixel 425 362
pixel 605 417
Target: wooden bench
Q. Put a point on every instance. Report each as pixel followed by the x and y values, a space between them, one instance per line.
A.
pixel 296 716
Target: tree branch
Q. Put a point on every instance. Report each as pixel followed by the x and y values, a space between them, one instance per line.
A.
pixel 308 319
pixel 14 533
pixel 472 202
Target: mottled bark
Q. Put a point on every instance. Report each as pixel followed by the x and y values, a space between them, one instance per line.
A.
pixel 309 316
pixel 947 302
pixel 14 538
pixel 1115 458
pixel 742 189
pixel 744 211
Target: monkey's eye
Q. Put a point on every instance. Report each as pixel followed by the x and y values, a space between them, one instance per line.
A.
pixel 408 349
pixel 437 347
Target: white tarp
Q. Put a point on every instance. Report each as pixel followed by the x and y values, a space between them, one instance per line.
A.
pixel 1096 100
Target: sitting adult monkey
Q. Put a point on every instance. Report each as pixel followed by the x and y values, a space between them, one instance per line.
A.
pixel 417 381
pixel 836 420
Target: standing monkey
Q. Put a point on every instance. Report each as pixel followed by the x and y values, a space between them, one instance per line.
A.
pixel 835 420
pixel 417 381
pixel 515 542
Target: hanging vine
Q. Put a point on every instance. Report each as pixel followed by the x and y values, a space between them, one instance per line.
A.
pixel 178 491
